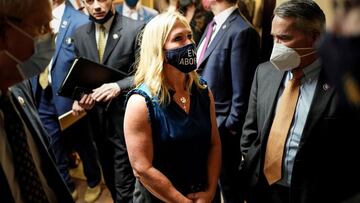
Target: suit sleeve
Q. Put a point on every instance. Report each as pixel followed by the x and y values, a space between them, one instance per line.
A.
pixel 127 82
pixel 76 44
pixel 244 59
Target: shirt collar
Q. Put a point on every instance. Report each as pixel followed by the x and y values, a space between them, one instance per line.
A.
pixel 311 71
pixel 107 25
pixel 58 12
pixel 223 15
pixel 127 9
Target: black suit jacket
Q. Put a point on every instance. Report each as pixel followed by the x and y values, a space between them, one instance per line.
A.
pixel 30 116
pixel 228 67
pixel 325 168
pixel 120 49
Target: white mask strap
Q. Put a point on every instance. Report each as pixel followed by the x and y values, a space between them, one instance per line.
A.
pixel 308 54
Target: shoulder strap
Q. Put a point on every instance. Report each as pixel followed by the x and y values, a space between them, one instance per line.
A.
pixel 144 91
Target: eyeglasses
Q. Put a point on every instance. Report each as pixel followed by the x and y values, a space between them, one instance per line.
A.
pixel 90 2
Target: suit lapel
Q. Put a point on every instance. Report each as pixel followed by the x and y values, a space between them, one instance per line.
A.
pixel 275 79
pixel 113 37
pixel 65 24
pixel 90 40
pixel 323 93
pixel 224 28
pixel 203 36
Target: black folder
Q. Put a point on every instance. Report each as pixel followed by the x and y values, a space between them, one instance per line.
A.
pixel 86 75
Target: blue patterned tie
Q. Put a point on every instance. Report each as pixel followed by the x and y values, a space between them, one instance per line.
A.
pixel 25 170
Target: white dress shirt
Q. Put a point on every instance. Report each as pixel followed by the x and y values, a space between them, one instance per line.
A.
pixel 57 14
pixel 107 26
pixel 131 12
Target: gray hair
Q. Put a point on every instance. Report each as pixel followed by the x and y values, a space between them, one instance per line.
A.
pixel 309 16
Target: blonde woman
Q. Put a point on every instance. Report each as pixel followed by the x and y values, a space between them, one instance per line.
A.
pixel 170 126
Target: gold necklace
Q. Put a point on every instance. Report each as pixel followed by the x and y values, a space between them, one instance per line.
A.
pixel 183 101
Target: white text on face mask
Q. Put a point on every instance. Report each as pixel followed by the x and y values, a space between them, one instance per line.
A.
pixel 187 61
pixel 190 60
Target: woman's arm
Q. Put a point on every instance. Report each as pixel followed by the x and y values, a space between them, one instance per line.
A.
pixel 138 137
pixel 214 161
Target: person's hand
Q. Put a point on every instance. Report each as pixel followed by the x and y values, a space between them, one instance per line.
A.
pixel 106 92
pixel 77 109
pixel 200 197
pixel 86 102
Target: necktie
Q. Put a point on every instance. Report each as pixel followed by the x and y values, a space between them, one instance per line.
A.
pixel 210 30
pixel 44 78
pixel 101 43
pixel 280 128
pixel 25 169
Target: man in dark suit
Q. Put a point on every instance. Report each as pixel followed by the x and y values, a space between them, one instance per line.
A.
pixel 134 10
pixel 106 102
pixel 50 106
pixel 228 64
pixel 24 157
pixel 22 99
pixel 320 142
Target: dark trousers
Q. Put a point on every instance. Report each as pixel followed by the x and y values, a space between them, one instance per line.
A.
pixel 269 194
pixel 279 194
pixel 79 138
pixel 230 181
pixel 107 123
pixel 49 118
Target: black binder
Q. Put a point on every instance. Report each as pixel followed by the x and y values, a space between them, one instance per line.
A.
pixel 86 75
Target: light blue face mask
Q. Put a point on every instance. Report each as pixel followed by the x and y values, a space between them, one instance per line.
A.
pixel 44 47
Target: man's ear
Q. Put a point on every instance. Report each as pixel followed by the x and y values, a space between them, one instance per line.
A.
pixel 316 36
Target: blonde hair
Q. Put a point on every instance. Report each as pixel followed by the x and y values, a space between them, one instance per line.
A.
pixel 149 70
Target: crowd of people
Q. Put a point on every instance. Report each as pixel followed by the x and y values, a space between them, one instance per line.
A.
pixel 199 117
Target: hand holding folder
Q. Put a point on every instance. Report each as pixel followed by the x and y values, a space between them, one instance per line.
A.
pixel 85 75
pixel 68 118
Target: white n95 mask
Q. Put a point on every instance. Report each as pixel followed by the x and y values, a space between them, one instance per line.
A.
pixel 285 58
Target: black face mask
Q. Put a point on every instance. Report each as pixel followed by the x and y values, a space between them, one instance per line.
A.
pixel 183 58
pixel 340 57
pixel 131 3
pixel 103 20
